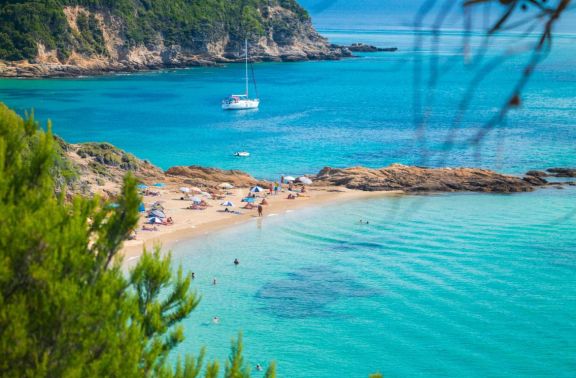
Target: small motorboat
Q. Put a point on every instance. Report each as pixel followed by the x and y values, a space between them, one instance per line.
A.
pixel 242 153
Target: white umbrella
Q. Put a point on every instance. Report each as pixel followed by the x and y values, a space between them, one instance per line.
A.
pixel 155 220
pixel 185 189
pixel 289 178
pixel 305 180
pixel 226 185
pixel 256 189
pixel 227 204
pixel 196 199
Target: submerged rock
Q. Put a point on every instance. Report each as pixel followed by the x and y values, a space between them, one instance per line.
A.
pixel 419 180
pixel 562 172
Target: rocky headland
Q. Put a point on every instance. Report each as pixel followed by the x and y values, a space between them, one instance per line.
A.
pixel 99 168
pixel 93 40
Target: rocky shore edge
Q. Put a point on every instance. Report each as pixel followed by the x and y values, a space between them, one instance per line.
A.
pixel 99 168
pixel 172 59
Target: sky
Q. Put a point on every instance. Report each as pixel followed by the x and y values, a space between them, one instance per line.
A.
pixel 382 14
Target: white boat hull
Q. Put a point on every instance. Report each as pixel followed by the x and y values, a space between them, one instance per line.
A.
pixel 241 105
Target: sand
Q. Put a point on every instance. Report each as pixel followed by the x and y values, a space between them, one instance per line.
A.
pixel 191 223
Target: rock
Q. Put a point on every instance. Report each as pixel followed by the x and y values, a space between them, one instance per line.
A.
pixel 534 180
pixel 362 47
pixel 419 180
pixel 212 177
pixel 534 173
pixel 562 172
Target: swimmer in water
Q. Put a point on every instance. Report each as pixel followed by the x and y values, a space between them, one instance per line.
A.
pixel 215 320
pixel 236 262
pixel 214 282
pixel 258 367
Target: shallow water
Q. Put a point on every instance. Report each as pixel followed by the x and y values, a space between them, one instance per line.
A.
pixel 446 285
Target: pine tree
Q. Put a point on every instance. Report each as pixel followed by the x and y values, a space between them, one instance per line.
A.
pixel 66 308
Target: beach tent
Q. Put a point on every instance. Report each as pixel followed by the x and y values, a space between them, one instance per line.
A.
pixel 289 178
pixel 155 220
pixel 226 185
pixel 227 204
pixel 141 208
pixel 249 200
pixel 185 189
pixel 157 213
pixel 305 180
pixel 142 186
pixel 159 185
pixel 257 189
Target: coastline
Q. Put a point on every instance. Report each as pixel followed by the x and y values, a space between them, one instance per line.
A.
pixel 190 224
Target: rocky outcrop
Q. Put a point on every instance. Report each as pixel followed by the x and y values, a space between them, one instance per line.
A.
pixel 212 177
pixel 362 47
pixel 562 172
pixel 419 180
pixel 286 37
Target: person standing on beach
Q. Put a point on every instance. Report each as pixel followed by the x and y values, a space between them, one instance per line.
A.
pixel 260 209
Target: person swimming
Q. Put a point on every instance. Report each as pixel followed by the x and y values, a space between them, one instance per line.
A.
pixel 259 367
pixel 236 262
pixel 214 282
pixel 215 320
pixel 363 222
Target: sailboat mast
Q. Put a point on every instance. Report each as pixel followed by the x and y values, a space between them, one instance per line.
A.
pixel 246 68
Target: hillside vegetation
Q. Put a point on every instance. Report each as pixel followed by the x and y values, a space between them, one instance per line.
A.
pixel 190 24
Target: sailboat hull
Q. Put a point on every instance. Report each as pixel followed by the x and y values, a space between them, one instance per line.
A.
pixel 241 104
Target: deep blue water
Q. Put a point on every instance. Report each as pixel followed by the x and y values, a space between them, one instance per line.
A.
pixel 314 114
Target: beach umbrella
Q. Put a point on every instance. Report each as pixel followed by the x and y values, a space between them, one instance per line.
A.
pixel 227 204
pixel 289 178
pixel 249 200
pixel 141 208
pixel 155 220
pixel 159 185
pixel 305 180
pixel 206 194
pixel 157 213
pixel 196 199
pixel 185 189
pixel 142 186
pixel 226 185
pixel 257 189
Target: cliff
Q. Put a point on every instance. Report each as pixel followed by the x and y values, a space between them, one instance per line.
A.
pixel 87 37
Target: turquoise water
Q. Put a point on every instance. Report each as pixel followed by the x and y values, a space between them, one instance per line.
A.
pixel 455 285
pixel 313 114
pixel 447 285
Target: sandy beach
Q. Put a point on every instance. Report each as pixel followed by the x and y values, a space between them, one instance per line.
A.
pixel 191 223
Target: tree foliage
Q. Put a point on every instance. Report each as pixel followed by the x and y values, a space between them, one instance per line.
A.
pixel 188 23
pixel 66 307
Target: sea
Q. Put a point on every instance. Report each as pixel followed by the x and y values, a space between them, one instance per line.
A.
pixel 445 285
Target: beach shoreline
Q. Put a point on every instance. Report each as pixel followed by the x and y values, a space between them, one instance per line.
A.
pixel 190 224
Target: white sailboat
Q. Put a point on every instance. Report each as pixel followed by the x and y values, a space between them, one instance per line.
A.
pixel 243 101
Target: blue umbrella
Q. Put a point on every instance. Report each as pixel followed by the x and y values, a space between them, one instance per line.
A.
pixel 142 186
pixel 249 200
pixel 141 208
pixel 159 185
pixel 256 189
